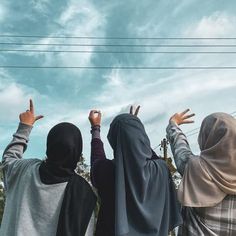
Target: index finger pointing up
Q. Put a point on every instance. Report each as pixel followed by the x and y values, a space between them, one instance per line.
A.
pixel 31 106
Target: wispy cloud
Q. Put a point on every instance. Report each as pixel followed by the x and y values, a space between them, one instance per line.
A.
pixel 219 24
pixel 67 95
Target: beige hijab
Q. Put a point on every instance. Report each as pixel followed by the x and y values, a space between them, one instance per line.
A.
pixel 208 178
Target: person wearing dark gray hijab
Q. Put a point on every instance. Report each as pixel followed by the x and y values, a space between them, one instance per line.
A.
pixel 145 200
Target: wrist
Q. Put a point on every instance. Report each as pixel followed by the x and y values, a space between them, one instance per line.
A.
pixel 95 124
pixel 95 128
pixel 95 131
pixel 26 123
pixel 173 121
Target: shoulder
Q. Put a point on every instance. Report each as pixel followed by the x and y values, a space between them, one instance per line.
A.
pixel 20 170
pixel 26 162
pixel 194 161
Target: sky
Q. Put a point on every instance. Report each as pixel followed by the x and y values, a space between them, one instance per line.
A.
pixel 69 94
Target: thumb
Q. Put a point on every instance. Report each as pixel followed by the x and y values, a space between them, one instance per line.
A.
pixel 38 117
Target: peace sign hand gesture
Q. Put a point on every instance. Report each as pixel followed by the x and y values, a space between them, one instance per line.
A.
pixel 135 113
pixel 182 117
pixel 28 117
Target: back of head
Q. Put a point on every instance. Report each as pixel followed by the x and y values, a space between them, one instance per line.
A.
pixel 64 145
pixel 127 131
pixel 216 130
pixel 217 141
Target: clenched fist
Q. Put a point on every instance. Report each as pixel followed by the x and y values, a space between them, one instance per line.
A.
pixel 95 117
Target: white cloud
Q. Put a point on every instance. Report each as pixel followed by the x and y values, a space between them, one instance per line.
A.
pixel 3 11
pixel 80 19
pixel 219 24
pixel 14 97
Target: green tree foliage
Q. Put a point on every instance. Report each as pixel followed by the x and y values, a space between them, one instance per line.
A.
pixel 83 169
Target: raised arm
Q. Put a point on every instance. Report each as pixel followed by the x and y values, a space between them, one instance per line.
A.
pixel 14 151
pixel 97 149
pixel 178 141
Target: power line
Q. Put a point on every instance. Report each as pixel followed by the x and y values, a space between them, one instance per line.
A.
pixel 190 131
pixel 115 37
pixel 117 45
pixel 156 147
pixel 115 52
pixel 192 134
pixel 196 132
pixel 123 67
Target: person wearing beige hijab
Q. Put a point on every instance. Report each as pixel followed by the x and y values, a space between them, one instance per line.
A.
pixel 207 191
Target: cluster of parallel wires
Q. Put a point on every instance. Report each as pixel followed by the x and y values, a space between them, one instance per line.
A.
pixel 117 45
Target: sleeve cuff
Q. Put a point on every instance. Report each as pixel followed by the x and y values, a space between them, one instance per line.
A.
pixel 171 125
pixel 171 128
pixel 23 131
pixel 95 131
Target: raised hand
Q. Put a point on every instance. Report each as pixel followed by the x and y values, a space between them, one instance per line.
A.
pixel 28 117
pixel 135 113
pixel 95 117
pixel 182 117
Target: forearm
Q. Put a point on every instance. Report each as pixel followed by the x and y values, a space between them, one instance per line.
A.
pixel 179 146
pixel 97 149
pixel 18 144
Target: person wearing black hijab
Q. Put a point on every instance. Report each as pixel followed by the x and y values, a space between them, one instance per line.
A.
pixel 45 197
pixel 64 149
pixel 136 189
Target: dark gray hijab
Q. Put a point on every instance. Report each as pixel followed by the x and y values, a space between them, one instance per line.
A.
pixel 145 201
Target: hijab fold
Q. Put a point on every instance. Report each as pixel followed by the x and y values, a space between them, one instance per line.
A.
pixel 209 177
pixel 145 201
pixel 64 148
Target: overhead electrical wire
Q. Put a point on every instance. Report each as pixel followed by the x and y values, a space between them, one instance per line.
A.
pixel 123 67
pixel 117 45
pixel 114 37
pixel 118 52
pixel 189 133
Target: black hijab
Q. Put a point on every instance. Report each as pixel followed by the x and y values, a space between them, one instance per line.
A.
pixel 146 202
pixel 64 148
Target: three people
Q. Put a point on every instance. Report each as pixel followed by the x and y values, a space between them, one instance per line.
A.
pixel 136 189
pixel 208 188
pixel 45 197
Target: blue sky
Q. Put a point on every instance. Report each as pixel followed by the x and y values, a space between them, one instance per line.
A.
pixel 69 94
